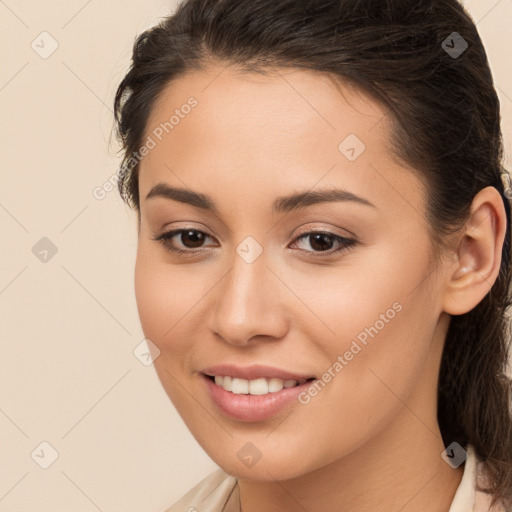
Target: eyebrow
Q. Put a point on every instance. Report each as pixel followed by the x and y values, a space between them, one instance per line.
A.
pixel 282 204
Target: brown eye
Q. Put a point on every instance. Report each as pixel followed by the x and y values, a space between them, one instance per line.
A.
pixel 322 241
pixel 189 239
pixel 192 236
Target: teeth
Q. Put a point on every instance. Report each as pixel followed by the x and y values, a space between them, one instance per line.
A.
pixel 260 386
pixel 240 386
pixel 227 383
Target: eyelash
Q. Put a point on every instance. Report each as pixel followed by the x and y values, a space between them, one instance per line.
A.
pixel 345 243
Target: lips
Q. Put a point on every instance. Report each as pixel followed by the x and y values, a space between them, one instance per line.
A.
pixel 255 372
pixel 251 408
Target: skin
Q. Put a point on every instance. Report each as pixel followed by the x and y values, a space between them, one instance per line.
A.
pixel 369 441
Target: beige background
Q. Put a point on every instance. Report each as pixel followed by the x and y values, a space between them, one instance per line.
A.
pixel 68 374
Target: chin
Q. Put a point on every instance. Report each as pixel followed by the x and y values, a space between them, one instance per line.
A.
pixel 277 466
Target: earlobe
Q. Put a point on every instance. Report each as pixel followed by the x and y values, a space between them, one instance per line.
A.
pixel 476 266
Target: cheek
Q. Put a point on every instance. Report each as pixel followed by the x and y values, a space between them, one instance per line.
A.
pixel 164 297
pixel 150 295
pixel 361 300
pixel 376 328
pixel 371 369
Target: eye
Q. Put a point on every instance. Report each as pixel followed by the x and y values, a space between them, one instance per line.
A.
pixel 192 239
pixel 322 241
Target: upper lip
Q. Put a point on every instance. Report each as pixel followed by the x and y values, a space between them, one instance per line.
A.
pixel 253 372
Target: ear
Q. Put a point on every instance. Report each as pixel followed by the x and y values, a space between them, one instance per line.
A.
pixel 478 257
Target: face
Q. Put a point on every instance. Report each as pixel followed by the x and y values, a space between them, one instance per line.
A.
pixel 339 289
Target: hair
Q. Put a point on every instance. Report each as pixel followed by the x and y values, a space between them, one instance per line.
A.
pixel 444 115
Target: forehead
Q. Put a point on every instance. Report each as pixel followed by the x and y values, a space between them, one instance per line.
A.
pixel 287 128
pixel 301 100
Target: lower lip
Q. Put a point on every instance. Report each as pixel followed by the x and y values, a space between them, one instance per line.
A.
pixel 252 407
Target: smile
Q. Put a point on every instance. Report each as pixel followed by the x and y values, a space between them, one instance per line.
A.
pixel 261 386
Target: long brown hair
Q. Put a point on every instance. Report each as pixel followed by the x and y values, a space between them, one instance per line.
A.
pixel 425 62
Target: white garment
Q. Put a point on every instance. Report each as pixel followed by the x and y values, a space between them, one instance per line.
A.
pixel 219 492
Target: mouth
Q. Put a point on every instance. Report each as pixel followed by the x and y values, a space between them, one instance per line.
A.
pixel 259 386
pixel 253 401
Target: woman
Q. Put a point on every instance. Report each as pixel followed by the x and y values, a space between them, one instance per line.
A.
pixel 323 259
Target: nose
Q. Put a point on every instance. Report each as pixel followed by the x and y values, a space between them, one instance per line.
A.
pixel 248 303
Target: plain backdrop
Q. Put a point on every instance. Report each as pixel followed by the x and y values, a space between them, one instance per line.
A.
pixel 69 377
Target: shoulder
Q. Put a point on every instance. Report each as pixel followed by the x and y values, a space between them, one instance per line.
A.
pixel 469 497
pixel 481 480
pixel 210 495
